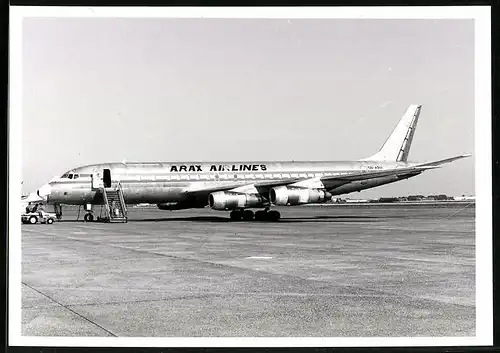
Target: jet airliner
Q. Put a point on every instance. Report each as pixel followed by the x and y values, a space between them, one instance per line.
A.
pixel 238 187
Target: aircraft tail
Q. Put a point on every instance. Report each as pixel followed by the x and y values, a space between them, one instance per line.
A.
pixel 397 147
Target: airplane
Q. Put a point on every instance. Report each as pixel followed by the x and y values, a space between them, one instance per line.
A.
pixel 239 187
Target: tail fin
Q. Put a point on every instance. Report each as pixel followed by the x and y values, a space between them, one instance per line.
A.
pixel 397 147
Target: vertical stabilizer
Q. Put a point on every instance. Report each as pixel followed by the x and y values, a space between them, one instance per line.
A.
pixel 397 147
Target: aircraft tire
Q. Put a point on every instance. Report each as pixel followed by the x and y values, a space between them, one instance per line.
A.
pixel 89 217
pixel 248 215
pixel 235 215
pixel 273 216
pixel 260 216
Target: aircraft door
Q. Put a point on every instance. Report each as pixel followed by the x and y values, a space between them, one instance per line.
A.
pixel 106 178
pixel 100 179
pixel 96 180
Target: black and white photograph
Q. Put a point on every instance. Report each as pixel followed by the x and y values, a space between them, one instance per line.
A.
pixel 250 177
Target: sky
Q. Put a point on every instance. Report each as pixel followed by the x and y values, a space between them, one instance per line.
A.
pixel 111 89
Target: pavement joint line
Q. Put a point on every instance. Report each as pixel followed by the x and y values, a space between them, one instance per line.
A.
pixel 68 308
pixel 220 265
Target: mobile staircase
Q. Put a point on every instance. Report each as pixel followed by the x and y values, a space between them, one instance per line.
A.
pixel 115 204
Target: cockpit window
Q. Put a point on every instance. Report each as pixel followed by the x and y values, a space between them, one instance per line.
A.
pixel 75 176
pixel 65 175
pixel 70 176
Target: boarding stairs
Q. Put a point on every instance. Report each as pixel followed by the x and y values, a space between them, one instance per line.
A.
pixel 115 204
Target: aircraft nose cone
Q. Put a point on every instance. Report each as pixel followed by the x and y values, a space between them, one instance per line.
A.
pixel 44 191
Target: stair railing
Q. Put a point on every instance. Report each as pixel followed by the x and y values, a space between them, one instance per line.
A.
pixel 106 203
pixel 122 200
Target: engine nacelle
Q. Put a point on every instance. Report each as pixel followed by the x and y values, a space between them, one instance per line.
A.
pixel 223 200
pixel 290 196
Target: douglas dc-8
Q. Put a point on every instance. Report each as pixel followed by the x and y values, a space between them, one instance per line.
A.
pixel 237 187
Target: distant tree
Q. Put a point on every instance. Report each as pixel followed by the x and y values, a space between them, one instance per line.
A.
pixel 388 199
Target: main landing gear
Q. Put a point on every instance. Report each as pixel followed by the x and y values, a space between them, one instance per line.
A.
pixel 261 215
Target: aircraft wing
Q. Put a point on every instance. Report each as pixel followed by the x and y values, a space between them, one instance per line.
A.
pixel 259 187
pixel 263 187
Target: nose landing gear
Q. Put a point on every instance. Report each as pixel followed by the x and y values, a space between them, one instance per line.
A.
pixel 89 216
pixel 58 211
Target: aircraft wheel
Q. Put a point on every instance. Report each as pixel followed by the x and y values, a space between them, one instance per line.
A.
pixel 33 220
pixel 260 215
pixel 89 217
pixel 235 215
pixel 273 215
pixel 248 215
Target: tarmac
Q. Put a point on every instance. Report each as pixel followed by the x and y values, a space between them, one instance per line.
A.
pixel 320 271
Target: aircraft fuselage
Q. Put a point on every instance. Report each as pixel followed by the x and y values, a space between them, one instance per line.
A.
pixel 170 182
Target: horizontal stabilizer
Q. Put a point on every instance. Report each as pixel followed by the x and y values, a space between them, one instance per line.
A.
pixel 443 161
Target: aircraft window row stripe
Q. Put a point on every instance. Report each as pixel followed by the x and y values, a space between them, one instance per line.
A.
pixel 198 176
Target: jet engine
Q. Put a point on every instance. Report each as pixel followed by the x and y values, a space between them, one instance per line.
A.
pixel 223 200
pixel 290 196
